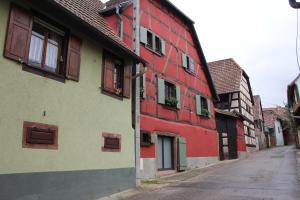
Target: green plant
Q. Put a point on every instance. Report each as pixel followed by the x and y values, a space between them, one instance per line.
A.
pixel 171 101
pixel 205 112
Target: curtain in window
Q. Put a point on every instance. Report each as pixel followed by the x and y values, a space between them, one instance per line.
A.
pixel 36 48
pixel 51 55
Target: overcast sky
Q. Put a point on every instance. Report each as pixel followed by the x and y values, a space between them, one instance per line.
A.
pixel 259 34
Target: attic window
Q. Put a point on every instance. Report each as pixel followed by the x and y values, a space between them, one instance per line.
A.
pixel 111 143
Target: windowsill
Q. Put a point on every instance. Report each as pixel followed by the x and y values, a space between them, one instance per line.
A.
pixel 150 49
pixel 188 71
pixel 104 149
pixel 174 108
pixel 38 71
pixel 111 94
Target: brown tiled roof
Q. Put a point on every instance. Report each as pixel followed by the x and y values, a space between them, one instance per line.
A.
pixel 269 118
pixel 256 106
pixel 87 10
pixel 226 75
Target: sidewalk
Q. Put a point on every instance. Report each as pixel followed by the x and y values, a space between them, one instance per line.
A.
pixel 156 184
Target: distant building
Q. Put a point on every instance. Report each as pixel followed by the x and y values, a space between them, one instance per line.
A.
pixel 235 94
pixel 274 123
pixel 259 123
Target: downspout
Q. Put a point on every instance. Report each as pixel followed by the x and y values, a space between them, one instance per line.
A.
pixel 136 40
pixel 120 22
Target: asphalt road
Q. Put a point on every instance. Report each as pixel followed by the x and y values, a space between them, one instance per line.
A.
pixel 265 175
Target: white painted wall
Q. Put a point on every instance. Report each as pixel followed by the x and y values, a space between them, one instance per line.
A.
pixel 278 133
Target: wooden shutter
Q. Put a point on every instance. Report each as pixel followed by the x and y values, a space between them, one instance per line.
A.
pixel 144 85
pixel 143 35
pixel 198 104
pixel 40 136
pixel 73 60
pixel 127 81
pixel 182 161
pixel 184 60
pixel 178 96
pixel 18 34
pixel 108 73
pixel 208 107
pixel 192 67
pixel 163 47
pixel 161 91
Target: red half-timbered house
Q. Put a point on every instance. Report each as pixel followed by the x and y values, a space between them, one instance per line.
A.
pixel 177 121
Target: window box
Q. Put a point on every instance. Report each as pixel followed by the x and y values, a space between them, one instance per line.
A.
pixel 203 106
pixel 168 94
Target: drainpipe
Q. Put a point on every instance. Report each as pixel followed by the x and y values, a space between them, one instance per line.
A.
pixel 136 40
pixel 120 22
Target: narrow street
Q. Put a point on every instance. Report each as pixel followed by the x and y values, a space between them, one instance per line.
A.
pixel 265 175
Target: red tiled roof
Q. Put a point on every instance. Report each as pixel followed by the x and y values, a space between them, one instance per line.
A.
pixel 87 10
pixel 226 75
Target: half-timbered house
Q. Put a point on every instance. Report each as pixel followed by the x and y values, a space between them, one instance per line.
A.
pixel 235 94
pixel 259 123
pixel 177 119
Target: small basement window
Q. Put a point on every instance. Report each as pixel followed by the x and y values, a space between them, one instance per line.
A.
pixel 145 138
pixel 112 142
pixel 40 136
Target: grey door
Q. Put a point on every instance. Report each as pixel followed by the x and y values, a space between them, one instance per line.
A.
pixel 165 153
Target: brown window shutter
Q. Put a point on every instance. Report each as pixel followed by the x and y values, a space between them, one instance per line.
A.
pixel 127 81
pixel 73 61
pixel 18 34
pixel 108 73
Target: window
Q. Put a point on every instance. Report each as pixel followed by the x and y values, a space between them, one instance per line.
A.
pixel 149 40
pixel 116 78
pixel 41 46
pixel 40 136
pixel 45 47
pixel 203 106
pixel 158 44
pixel 111 143
pixel 146 139
pixel 143 86
pixel 168 94
pixel 188 63
pixel 152 41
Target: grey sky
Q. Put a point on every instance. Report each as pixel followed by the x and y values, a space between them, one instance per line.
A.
pixel 258 34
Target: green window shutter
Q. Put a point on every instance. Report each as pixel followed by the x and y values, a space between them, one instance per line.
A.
pixel 144 85
pixel 161 91
pixel 163 47
pixel 198 105
pixel 143 35
pixel 208 107
pixel 178 96
pixel 184 60
pixel 182 161
pixel 192 67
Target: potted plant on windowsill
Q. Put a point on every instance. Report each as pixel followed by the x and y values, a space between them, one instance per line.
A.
pixel 205 113
pixel 171 102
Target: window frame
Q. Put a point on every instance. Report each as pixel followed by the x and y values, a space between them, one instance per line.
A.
pixel 46 23
pixel 28 125
pixel 153 45
pixel 117 95
pixel 170 92
pixel 105 136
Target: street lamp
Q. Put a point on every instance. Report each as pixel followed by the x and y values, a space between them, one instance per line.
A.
pixel 295 4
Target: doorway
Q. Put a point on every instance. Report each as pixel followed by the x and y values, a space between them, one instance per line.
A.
pixel 165 153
